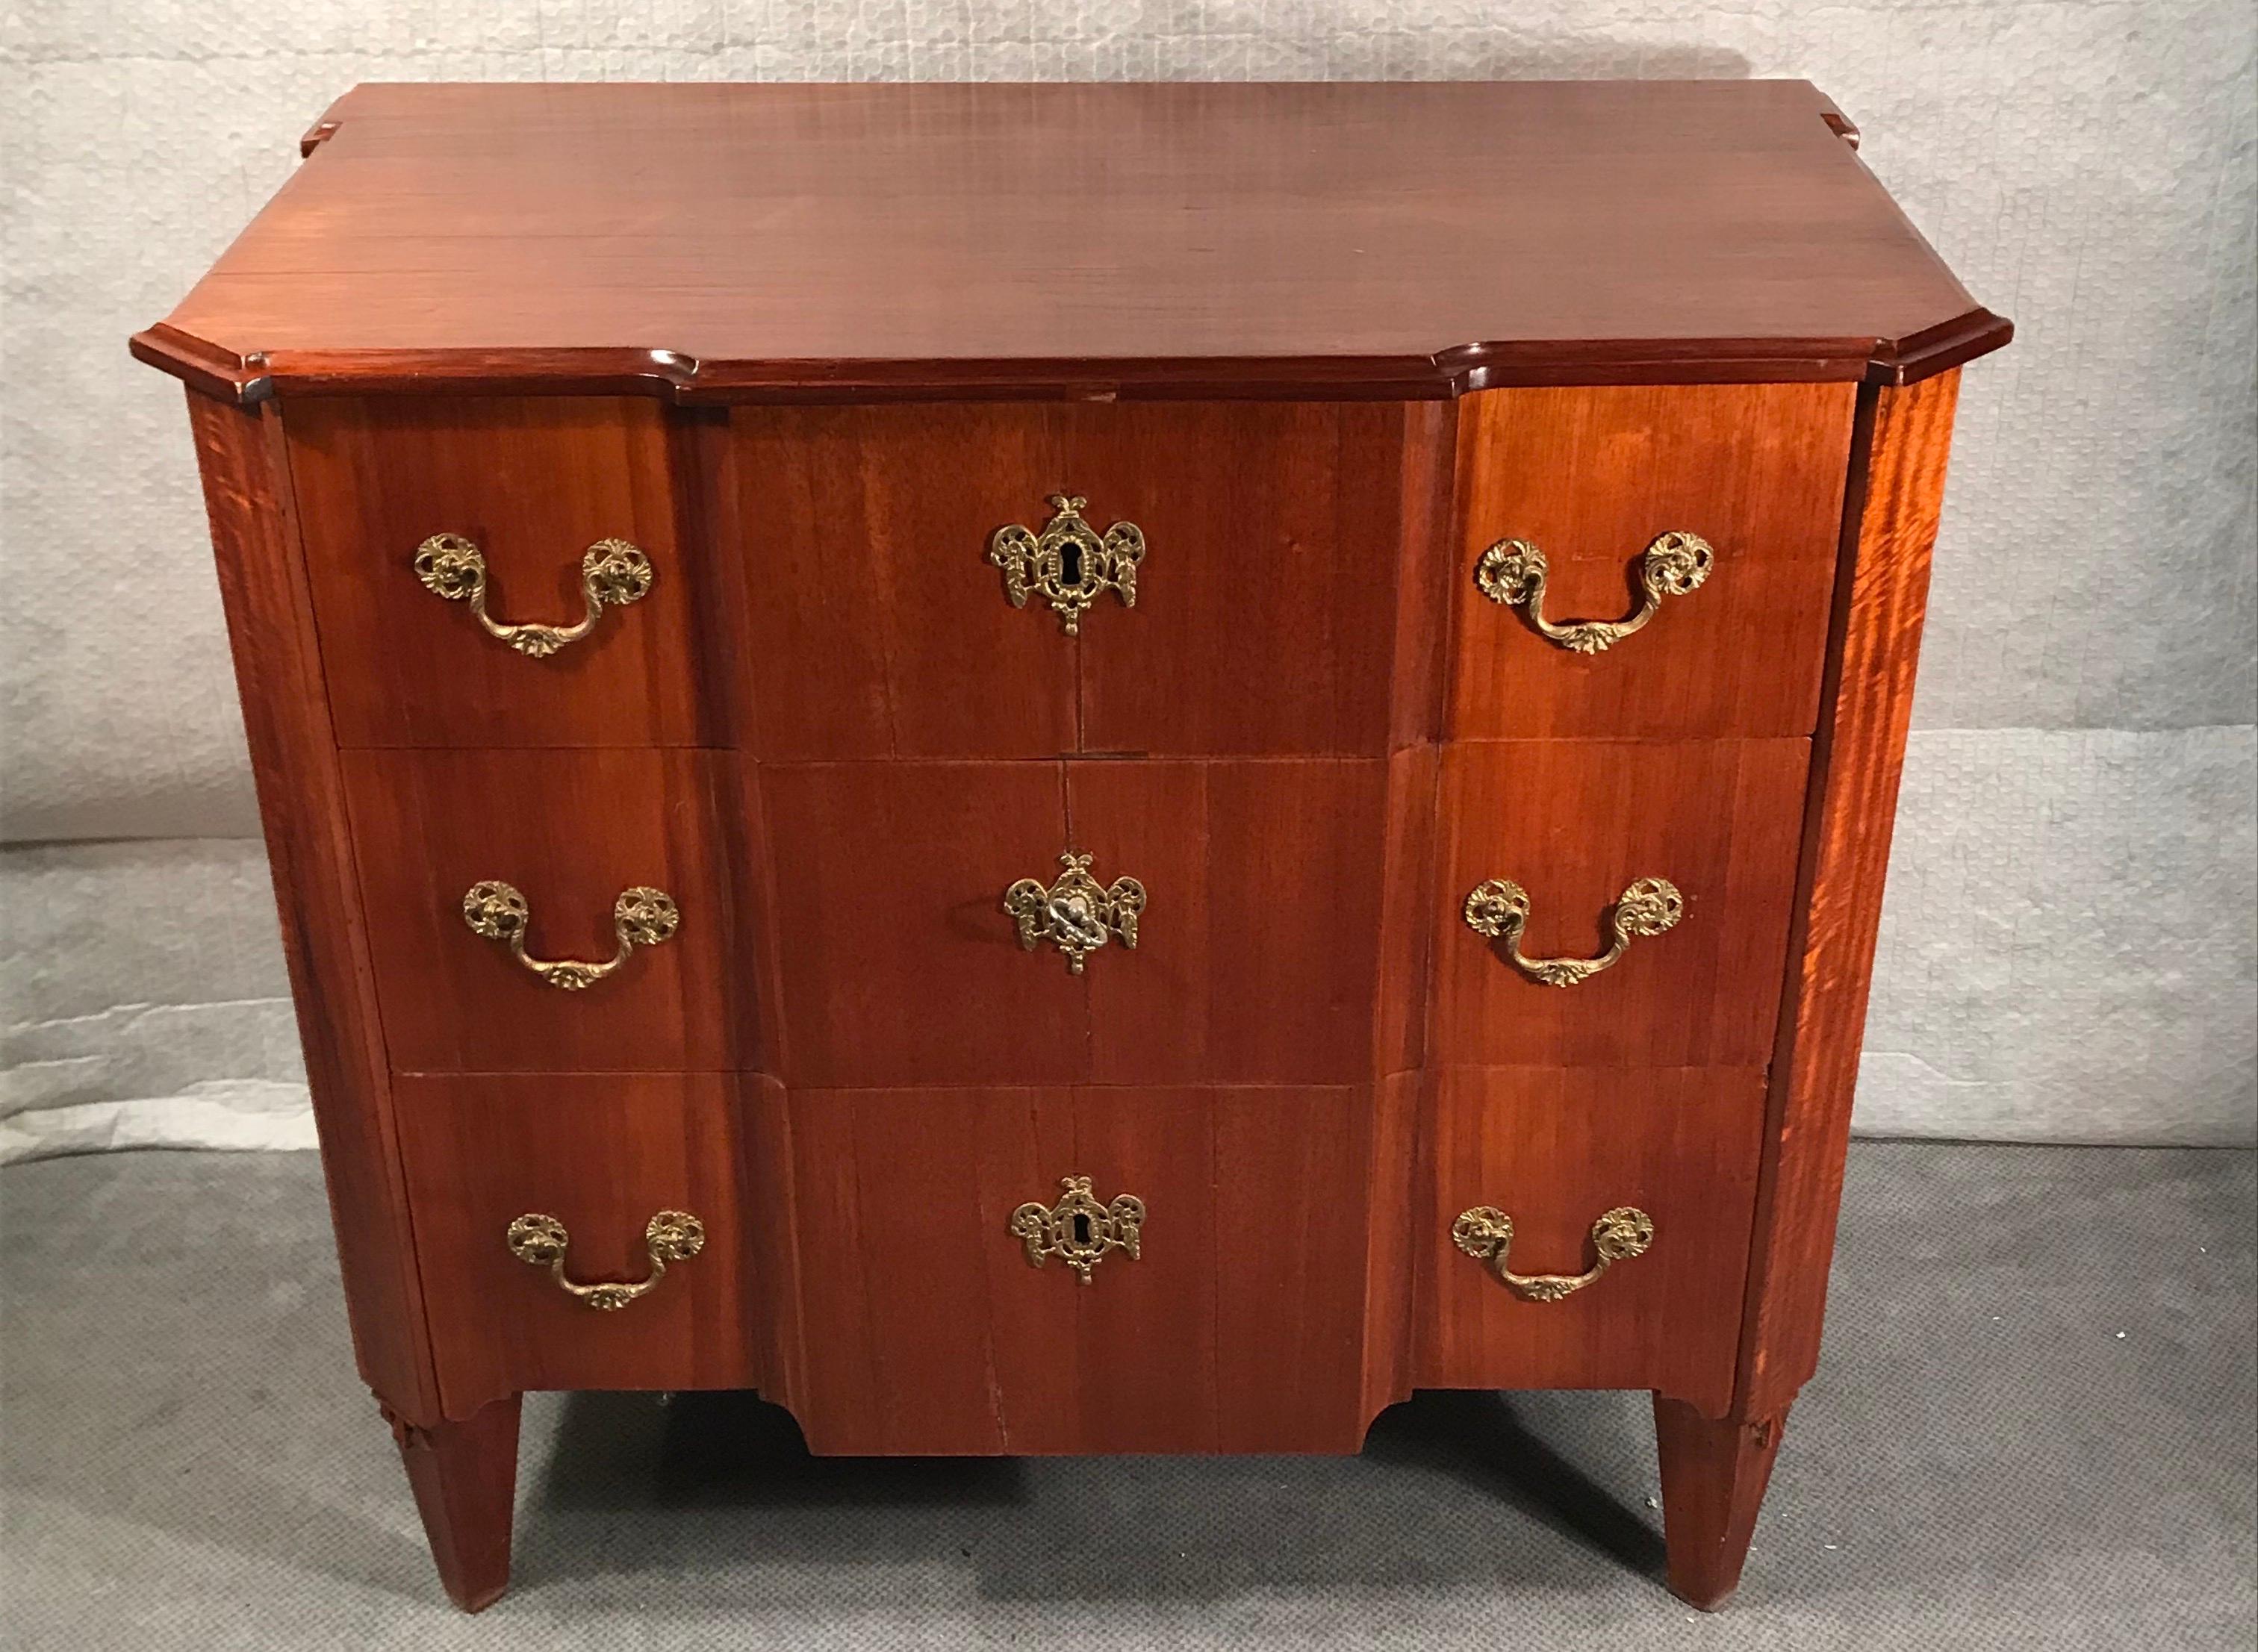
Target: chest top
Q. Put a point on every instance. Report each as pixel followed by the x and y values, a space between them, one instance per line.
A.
pixel 735 243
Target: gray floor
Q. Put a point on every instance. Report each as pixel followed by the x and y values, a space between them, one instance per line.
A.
pixel 2035 1428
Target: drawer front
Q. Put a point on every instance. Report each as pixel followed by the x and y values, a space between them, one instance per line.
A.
pixel 576 834
pixel 922 1327
pixel 529 488
pixel 1257 940
pixel 899 964
pixel 1585 831
pixel 1258 948
pixel 1262 542
pixel 1595 478
pixel 603 1155
pixel 1553 1152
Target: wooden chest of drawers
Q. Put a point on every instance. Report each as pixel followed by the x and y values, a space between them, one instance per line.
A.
pixel 1060 769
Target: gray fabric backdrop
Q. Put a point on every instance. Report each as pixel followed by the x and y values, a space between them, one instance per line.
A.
pixel 2068 951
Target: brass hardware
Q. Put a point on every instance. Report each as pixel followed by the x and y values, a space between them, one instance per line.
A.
pixel 613 574
pixel 1078 1230
pixel 1486 1234
pixel 639 918
pixel 1075 914
pixel 1498 908
pixel 1067 565
pixel 671 1236
pixel 1512 571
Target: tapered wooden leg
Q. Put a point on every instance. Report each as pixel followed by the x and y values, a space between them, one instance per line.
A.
pixel 1714 1474
pixel 464 1475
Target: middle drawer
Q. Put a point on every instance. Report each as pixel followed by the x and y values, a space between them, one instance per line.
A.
pixel 858 925
pixel 554 911
pixel 1219 922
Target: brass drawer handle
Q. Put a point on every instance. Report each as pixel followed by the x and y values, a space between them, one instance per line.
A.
pixel 1486 1234
pixel 1067 565
pixel 613 574
pixel 1498 908
pixel 1512 571
pixel 641 917
pixel 671 1236
pixel 1079 1230
pixel 1075 914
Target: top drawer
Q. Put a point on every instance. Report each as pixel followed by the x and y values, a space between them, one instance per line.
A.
pixel 1226 584
pixel 529 489
pixel 1712 511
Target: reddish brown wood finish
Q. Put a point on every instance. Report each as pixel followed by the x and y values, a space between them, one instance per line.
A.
pixel 465 1478
pixel 603 1153
pixel 1888 534
pixel 569 830
pixel 880 629
pixel 878 626
pixel 301 802
pixel 1266 599
pixel 1592 476
pixel 866 241
pixel 1714 1474
pixel 1258 957
pixel 899 962
pixel 924 1329
pixel 1553 1148
pixel 1574 822
pixel 830 738
pixel 534 482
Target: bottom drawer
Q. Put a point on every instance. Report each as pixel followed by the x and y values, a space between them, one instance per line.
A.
pixel 603 1155
pixel 1552 1151
pixel 920 1326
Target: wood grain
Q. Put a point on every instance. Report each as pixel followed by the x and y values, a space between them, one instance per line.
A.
pixel 465 1478
pixel 1258 955
pixel 879 628
pixel 926 1330
pixel 1574 822
pixel 569 830
pixel 1553 1148
pixel 603 1153
pixel 1889 533
pixel 1714 1474
pixel 899 964
pixel 301 805
pixel 533 482
pixel 1266 601
pixel 858 242
pixel 1592 476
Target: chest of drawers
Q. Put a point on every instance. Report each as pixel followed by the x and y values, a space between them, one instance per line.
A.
pixel 1079 768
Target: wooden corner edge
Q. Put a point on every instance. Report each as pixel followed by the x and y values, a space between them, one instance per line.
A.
pixel 219 373
pixel 324 129
pixel 1935 349
pixel 1836 122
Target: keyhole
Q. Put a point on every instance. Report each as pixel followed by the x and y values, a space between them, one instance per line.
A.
pixel 1071 563
pixel 1081 1228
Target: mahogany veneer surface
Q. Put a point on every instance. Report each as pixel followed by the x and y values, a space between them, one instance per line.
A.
pixel 808 348
pixel 859 240
pixel 1592 478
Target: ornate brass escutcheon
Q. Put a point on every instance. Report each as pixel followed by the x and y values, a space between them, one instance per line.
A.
pixel 641 917
pixel 613 574
pixel 1068 565
pixel 1498 908
pixel 1075 914
pixel 1512 571
pixel 1486 1234
pixel 1078 1230
pixel 671 1236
